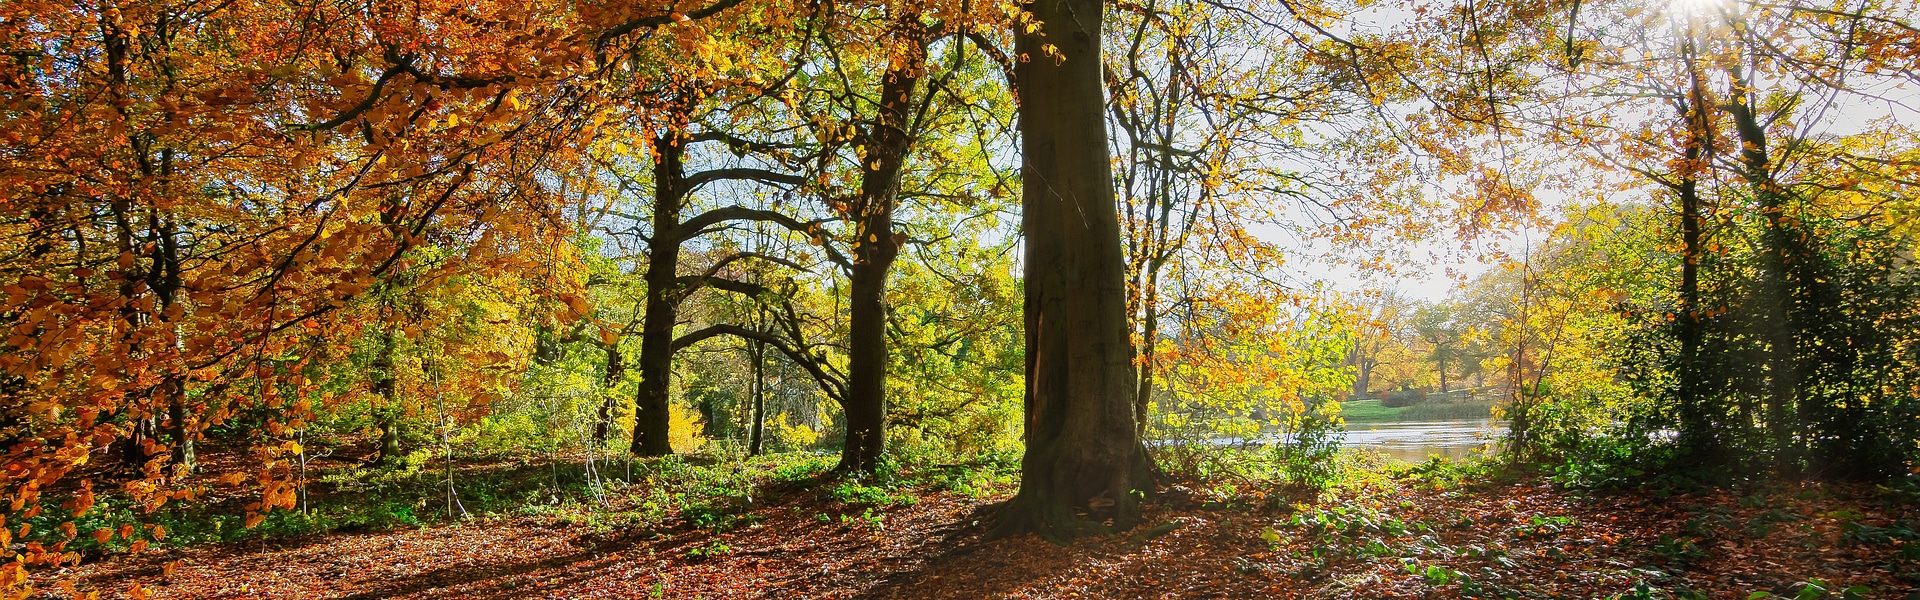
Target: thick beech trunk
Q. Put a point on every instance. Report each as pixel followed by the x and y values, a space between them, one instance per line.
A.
pixel 866 361
pixel 650 418
pixel 1085 469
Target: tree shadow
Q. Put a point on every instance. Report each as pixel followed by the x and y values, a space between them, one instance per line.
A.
pixel 969 563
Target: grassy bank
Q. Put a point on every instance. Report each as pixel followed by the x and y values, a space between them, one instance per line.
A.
pixel 1371 411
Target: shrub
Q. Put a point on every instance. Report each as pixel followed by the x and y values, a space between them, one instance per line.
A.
pixel 1403 398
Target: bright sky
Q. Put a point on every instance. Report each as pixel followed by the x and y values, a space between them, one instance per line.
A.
pixel 1433 269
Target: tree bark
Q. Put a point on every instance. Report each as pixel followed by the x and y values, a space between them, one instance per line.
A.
pixel 755 433
pixel 616 371
pixel 1695 424
pixel 1780 255
pixel 1149 337
pixel 874 250
pixel 386 417
pixel 166 286
pixel 1085 469
pixel 1362 370
pixel 650 417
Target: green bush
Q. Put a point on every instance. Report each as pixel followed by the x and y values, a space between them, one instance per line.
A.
pixel 1403 398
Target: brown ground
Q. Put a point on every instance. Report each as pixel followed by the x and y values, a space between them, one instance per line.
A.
pixel 1502 538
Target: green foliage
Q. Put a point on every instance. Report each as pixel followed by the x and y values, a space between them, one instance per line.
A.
pixel 712 549
pixel 852 491
pixel 1854 341
pixel 953 385
pixel 1611 411
pixel 1403 398
pixel 1642 591
pixel 1678 551
pixel 1307 460
pixel 1816 589
pixel 1284 400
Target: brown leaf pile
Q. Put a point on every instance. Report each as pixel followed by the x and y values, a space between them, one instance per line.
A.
pixel 1505 539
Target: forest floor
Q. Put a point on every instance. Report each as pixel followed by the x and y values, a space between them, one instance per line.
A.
pixel 1412 532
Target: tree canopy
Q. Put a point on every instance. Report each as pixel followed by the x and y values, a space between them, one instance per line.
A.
pixel 1091 237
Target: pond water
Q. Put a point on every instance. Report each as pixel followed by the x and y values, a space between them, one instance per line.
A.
pixel 1416 441
pixel 1410 441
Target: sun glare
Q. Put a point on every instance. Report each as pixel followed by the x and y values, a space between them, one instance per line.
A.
pixel 1696 8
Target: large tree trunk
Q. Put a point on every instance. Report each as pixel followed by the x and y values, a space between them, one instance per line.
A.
pixel 1084 469
pixel 866 360
pixel 650 418
pixel 874 250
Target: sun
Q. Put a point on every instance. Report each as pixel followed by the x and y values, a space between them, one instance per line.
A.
pixel 1698 8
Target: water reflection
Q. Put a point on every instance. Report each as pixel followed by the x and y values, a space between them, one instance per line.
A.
pixel 1416 441
pixel 1411 441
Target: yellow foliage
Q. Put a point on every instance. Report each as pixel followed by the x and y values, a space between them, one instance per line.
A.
pixel 683 429
pixel 794 435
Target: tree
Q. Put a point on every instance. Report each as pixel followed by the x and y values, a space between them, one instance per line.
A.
pixel 1444 335
pixel 666 288
pixel 201 193
pixel 884 144
pixel 1378 328
pixel 1083 450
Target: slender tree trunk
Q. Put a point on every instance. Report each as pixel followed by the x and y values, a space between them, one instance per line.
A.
pixel 386 417
pixel 1778 250
pixel 1362 371
pixel 755 433
pixel 874 250
pixel 650 418
pixel 1694 420
pixel 134 453
pixel 139 427
pixel 1149 336
pixel 1694 423
pixel 1698 433
pixel 166 285
pixel 179 428
pixel 1084 454
pixel 616 371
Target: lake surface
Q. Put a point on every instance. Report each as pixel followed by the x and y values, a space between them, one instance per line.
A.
pixel 1416 441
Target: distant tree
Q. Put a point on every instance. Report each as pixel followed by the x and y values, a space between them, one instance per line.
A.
pixel 1444 336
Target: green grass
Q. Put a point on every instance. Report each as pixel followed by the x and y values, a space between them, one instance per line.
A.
pixel 709 491
pixel 1370 411
pixel 1442 412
